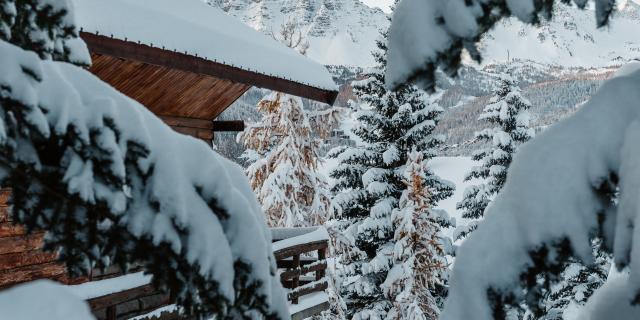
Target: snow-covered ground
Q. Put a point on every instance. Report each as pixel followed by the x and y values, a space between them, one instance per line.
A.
pixel 453 169
pixel 42 299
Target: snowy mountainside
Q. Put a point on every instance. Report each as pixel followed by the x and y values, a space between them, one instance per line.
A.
pixel 343 32
pixel 555 94
pixel 558 63
pixel 340 32
pixel 569 39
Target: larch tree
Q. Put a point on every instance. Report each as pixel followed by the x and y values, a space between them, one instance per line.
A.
pixel 369 183
pixel 282 157
pixel 507 113
pixel 282 152
pixel 97 172
pixel 416 283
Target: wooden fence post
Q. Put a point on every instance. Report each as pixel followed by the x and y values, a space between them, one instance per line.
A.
pixel 111 313
pixel 322 255
pixel 296 279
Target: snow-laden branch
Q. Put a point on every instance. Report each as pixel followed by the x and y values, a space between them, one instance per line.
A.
pixel 429 34
pixel 556 198
pixel 112 184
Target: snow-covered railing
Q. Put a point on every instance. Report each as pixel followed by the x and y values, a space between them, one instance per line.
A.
pixel 117 295
pixel 301 258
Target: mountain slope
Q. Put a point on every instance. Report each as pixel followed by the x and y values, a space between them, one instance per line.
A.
pixel 343 32
pixel 569 39
pixel 340 32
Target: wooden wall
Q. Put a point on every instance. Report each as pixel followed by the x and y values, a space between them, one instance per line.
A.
pixel 166 91
pixel 21 258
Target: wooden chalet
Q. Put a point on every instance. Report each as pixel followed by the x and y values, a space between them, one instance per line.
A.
pixel 187 62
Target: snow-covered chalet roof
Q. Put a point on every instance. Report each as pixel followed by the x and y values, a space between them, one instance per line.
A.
pixel 197 29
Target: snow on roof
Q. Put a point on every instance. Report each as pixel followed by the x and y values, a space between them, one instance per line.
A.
pixel 198 29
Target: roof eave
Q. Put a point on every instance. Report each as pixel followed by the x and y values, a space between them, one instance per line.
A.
pixel 185 62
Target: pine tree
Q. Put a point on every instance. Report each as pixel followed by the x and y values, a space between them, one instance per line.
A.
pixel 416 283
pixel 507 111
pixel 45 28
pixel 369 183
pixel 282 154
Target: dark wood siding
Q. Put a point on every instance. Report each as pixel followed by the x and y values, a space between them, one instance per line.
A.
pixel 168 92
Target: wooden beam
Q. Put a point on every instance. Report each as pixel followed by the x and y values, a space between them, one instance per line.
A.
pixel 300 248
pixel 199 128
pixel 120 297
pixel 175 60
pixel 27 258
pixel 187 122
pixel 8 229
pixel 15 244
pixel 231 125
pixel 298 292
pixel 288 263
pixel 302 270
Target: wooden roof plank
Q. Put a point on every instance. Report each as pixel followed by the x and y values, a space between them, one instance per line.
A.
pixel 173 60
pixel 168 91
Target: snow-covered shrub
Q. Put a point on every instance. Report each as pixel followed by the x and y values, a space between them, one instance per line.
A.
pixel 112 184
pixel 556 200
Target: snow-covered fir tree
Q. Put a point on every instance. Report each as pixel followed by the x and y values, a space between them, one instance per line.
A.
pixel 282 157
pixel 507 112
pixel 416 283
pixel 97 171
pixel 369 184
pixel 337 306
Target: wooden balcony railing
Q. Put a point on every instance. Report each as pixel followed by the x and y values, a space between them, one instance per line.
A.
pixel 301 258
